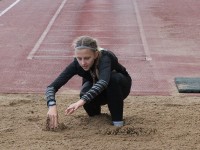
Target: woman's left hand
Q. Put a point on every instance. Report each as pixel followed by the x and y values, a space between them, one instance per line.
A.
pixel 74 107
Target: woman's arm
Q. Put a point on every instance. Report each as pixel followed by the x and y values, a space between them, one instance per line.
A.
pixel 52 114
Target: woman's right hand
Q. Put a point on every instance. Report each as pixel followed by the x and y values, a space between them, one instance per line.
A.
pixel 52 117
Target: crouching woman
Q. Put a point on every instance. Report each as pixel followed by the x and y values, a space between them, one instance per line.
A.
pixel 105 81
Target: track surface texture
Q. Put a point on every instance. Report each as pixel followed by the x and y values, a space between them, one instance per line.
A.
pixel 156 40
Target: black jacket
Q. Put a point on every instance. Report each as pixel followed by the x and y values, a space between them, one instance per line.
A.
pixel 108 62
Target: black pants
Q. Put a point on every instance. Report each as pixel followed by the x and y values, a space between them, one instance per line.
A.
pixel 117 90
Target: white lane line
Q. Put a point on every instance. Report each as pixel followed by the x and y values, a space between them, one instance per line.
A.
pixel 8 8
pixel 142 33
pixel 44 34
pixel 53 57
pixel 71 57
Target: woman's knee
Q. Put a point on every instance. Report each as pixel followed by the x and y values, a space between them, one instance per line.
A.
pixel 120 84
pixel 85 88
pixel 115 78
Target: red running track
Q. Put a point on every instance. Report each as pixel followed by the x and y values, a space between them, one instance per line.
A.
pixel 156 40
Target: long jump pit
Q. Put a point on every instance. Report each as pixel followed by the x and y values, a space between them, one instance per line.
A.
pixel 157 41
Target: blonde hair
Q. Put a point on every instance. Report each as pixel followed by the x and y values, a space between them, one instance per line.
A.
pixel 85 42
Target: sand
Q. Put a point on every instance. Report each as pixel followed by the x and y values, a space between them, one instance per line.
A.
pixel 151 122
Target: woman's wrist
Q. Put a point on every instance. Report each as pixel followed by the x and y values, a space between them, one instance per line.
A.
pixel 81 102
pixel 51 102
pixel 52 107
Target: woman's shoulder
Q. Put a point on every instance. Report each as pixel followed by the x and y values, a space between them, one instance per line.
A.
pixel 108 55
pixel 106 52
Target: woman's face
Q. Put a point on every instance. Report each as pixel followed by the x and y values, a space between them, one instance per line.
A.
pixel 85 58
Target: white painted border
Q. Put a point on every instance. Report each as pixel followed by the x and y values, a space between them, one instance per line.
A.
pixel 8 8
pixel 142 33
pixel 44 34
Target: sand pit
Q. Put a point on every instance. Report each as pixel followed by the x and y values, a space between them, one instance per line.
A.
pixel 151 122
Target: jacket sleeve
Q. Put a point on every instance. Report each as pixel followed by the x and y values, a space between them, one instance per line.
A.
pixel 61 80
